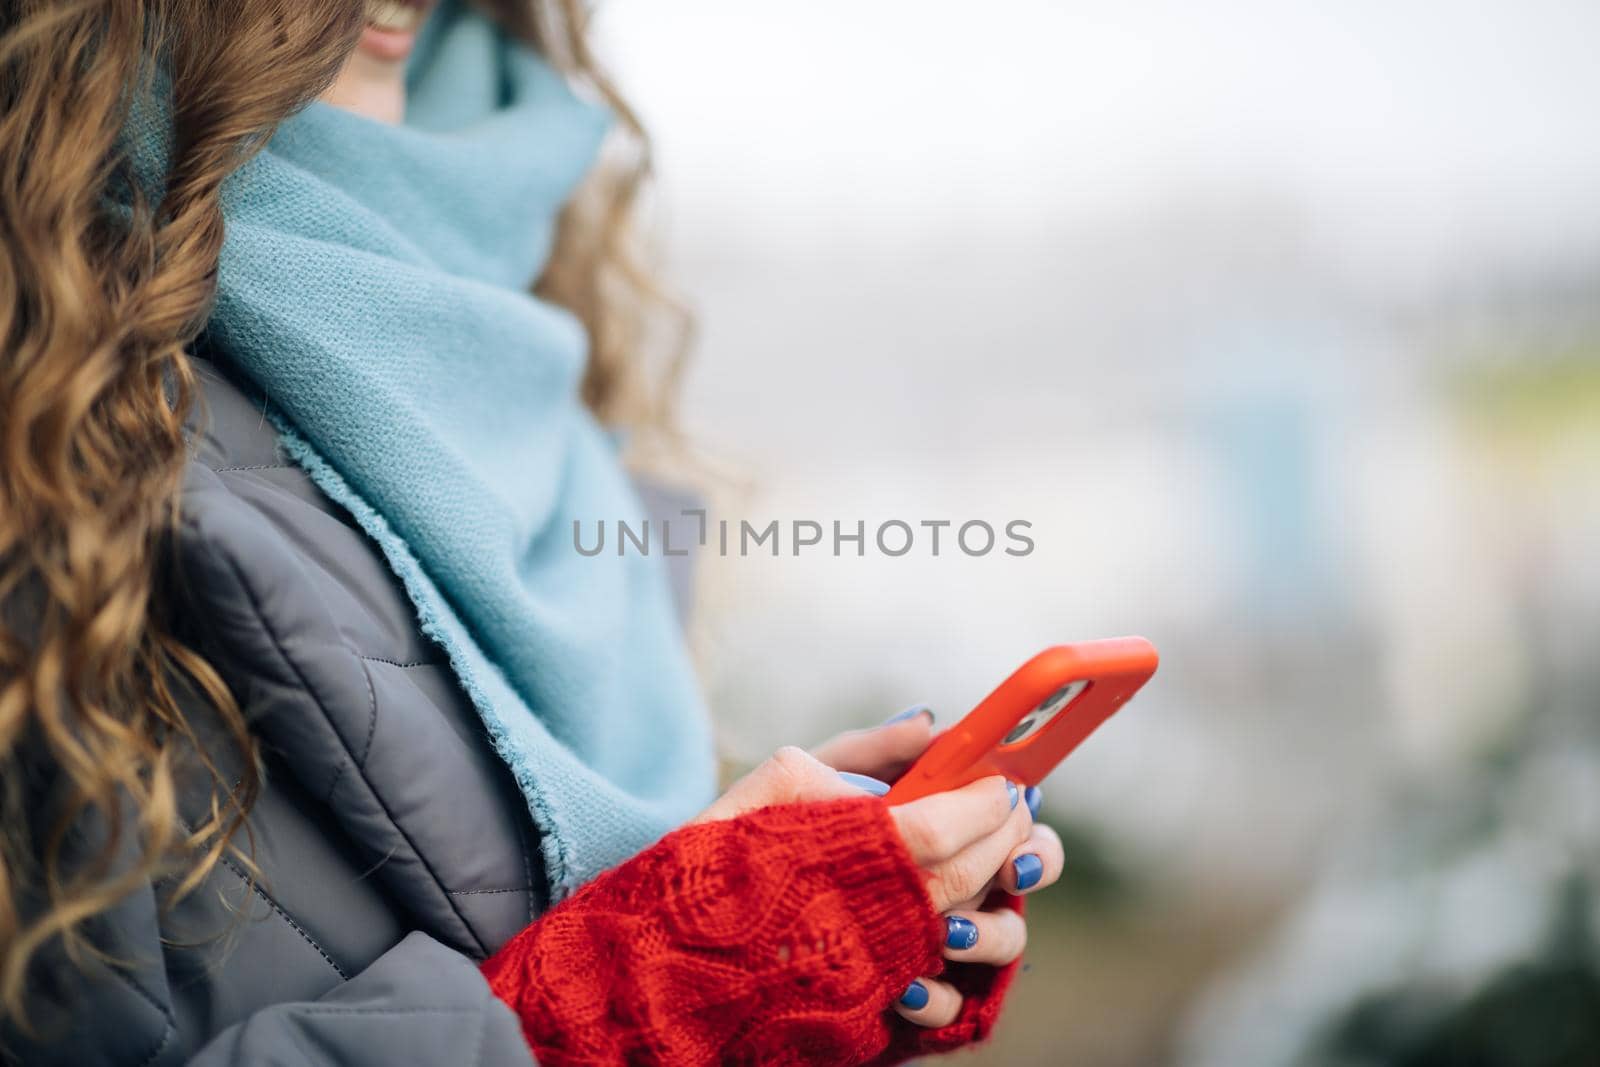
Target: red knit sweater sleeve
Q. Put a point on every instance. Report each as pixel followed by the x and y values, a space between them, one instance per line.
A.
pixel 780 937
pixel 983 991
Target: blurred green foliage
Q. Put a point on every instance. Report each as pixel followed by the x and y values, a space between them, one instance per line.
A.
pixel 1536 393
pixel 1539 1012
pixel 1095 879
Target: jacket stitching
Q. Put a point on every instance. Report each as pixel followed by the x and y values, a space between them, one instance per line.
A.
pixel 372 713
pixel 277 646
pixel 409 664
pixel 397 663
pixel 255 887
pixel 167 1032
pixel 255 467
pixel 338 773
pixel 522 837
pixel 367 746
pixel 332 1009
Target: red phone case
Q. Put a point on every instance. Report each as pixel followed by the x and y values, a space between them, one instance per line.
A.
pixel 1113 670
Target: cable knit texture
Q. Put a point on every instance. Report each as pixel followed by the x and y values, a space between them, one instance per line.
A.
pixel 780 937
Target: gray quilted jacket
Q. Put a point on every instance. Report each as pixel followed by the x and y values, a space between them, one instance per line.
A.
pixel 394 849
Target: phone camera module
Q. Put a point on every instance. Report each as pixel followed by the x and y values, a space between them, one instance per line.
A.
pixel 1042 715
pixel 1019 731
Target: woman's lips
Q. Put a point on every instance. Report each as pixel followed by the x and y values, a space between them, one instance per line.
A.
pixel 391 28
pixel 395 15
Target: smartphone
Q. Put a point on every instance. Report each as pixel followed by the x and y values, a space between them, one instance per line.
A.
pixel 1035 718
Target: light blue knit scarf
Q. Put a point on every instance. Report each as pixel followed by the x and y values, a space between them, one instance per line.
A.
pixel 373 284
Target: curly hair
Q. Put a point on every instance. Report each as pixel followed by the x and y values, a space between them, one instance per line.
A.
pixel 98 309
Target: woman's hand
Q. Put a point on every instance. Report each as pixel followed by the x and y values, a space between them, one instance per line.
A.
pixel 995 936
pixel 1020 857
pixel 806 889
pixel 961 839
pixel 967 841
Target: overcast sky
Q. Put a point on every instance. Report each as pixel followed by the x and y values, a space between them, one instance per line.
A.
pixel 1406 128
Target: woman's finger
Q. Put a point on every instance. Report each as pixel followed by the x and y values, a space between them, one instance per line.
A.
pixel 996 937
pixel 937 827
pixel 969 873
pixel 929 1002
pixel 1035 863
pixel 883 751
pixel 1033 796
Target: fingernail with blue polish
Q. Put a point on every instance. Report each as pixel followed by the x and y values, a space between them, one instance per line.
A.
pixel 1011 791
pixel 911 713
pixel 863 782
pixel 915 997
pixel 959 932
pixel 1030 869
pixel 1033 796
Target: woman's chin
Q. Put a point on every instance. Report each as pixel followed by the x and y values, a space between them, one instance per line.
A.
pixel 389 45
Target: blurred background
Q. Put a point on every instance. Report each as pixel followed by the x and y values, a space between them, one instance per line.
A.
pixel 1280 322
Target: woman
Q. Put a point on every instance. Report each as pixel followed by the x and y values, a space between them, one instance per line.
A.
pixel 319 742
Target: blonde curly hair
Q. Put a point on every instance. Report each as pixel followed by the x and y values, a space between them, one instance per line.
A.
pixel 97 311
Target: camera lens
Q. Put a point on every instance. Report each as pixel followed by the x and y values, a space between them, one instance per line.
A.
pixel 1019 731
pixel 1060 696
